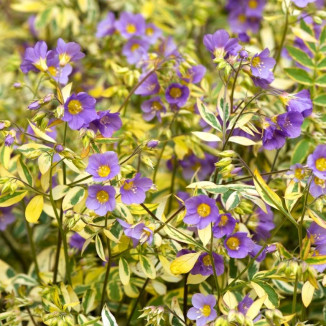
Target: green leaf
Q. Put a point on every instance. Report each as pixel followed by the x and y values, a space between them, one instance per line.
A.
pixel 322 37
pixel 271 293
pixel 242 141
pixel 73 197
pixel 7 200
pixel 88 302
pixel 5 152
pixel 230 200
pixel 147 267
pixel 301 151
pixel 107 317
pixel 300 56
pixel 24 172
pixel 299 75
pixel 206 136
pixel 114 290
pixel 124 271
pixel 322 64
pixel 99 248
pixel 316 260
pixel 321 81
pixel 207 116
pixel 320 100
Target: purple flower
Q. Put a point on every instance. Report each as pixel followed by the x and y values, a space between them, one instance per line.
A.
pixel 221 45
pixel 302 3
pixel 203 310
pixel 101 199
pixel 273 138
pixel 177 94
pixel 317 187
pixel 255 8
pixel 300 102
pixel 130 25
pixel 77 241
pixel 152 33
pixel 31 25
pixel 6 217
pixel 138 233
pixel 133 191
pixel 238 245
pixel 245 304
pixel 9 140
pixel 201 211
pixel 68 52
pixel 152 143
pixel 204 266
pixel 79 110
pixel 193 75
pixel 290 123
pixel 153 107
pixel 103 166
pixel 320 251
pixel 106 123
pixel 106 26
pixel 263 82
pixel 58 73
pixel 261 223
pixel 135 50
pixel 298 172
pixel 35 58
pixel 168 48
pixel 224 225
pixel 317 162
pixel 317 234
pixel 150 86
pixel 261 64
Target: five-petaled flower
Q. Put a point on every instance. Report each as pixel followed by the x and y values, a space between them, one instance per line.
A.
pixel 101 199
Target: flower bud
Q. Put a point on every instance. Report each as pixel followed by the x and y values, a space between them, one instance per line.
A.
pixel 38 116
pixel 17 85
pixel 59 111
pixel 152 143
pixel 224 162
pixel 34 105
pixel 90 133
pixel 227 153
pixel 58 148
pixel 243 54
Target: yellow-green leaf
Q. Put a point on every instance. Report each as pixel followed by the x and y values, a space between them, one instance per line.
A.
pixel 7 200
pixel 41 134
pixel 73 197
pixel 24 172
pixel 307 293
pixel 124 271
pixel 99 248
pixel 184 263
pixel 34 209
pixel 147 267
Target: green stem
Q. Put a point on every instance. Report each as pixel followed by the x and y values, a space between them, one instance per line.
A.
pixel 185 296
pixel 174 162
pixel 233 86
pixel 285 30
pixel 294 301
pixel 213 264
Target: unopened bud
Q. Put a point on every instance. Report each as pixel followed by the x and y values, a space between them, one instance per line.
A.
pixel 38 116
pixel 152 143
pixel 17 85
pixel 224 162
pixel 34 105
pixel 227 153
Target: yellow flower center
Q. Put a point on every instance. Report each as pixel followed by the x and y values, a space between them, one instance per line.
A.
pixel 149 31
pixel 207 260
pixel 233 243
pixel 319 182
pixel 206 310
pixel 298 173
pixel 41 64
pixel 253 4
pixel 256 62
pixel 134 47
pixel 157 106
pixel 64 59
pixel 128 185
pixel 103 171
pixel 131 29
pixel 274 119
pixel 52 71
pixel 203 210
pixel 74 107
pixel 242 18
pixel 102 196
pixel 224 220
pixel 321 164
pixel 175 92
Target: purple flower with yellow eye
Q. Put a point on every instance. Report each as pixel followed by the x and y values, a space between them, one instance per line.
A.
pixel 106 123
pixel 203 310
pixel 106 26
pixel 79 110
pixel 138 233
pixel 152 33
pixel 9 140
pixel 6 217
pixel 262 63
pixel 101 199
pixel 177 94
pixel 35 58
pixel 255 8
pixel 204 266
pixel 299 102
pixel 238 245
pixel 193 75
pixel 150 86
pixel 168 48
pixel 58 73
pixel 290 123
pixel 317 162
pixel 153 107
pixel 220 45
pixel 298 172
pixel 245 304
pixel 263 82
pixel 200 211
pixel 133 191
pixel 317 234
pixel 273 138
pixel 103 166
pixel 224 225
pixel 77 241
pixel 68 52
pixel 317 187
pixel 135 50
pixel 261 223
pixel 130 25
pixel 302 3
